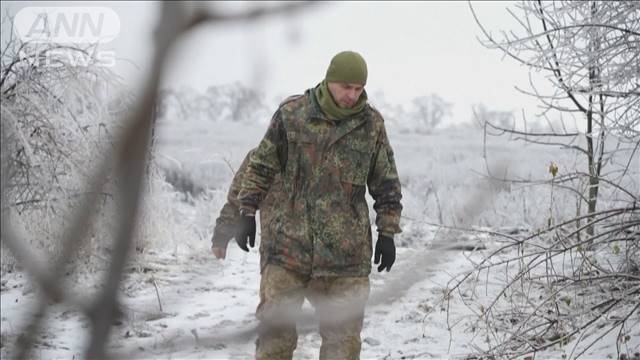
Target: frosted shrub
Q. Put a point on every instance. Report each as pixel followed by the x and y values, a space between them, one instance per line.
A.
pixel 56 122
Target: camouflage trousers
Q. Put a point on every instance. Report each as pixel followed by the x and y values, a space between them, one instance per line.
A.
pixel 339 303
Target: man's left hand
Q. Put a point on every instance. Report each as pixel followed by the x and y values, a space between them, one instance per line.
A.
pixel 385 250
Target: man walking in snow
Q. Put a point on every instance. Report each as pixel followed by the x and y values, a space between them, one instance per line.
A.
pixel 327 147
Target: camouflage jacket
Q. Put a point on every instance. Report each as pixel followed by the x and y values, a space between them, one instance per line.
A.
pixel 322 228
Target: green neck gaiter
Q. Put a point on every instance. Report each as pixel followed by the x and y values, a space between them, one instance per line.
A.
pixel 331 109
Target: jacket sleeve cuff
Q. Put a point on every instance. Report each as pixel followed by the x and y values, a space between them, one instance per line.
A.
pixel 220 240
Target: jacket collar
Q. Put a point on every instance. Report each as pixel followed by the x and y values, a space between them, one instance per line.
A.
pixel 316 111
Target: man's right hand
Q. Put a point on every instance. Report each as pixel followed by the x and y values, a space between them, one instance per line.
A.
pixel 246 231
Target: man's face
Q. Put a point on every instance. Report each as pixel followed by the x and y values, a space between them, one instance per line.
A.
pixel 344 94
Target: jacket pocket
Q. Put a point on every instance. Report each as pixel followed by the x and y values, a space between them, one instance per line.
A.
pixel 353 163
pixel 290 241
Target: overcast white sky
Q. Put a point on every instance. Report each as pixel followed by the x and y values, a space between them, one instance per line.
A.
pixel 412 49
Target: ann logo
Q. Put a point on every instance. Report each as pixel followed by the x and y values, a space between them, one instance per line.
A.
pixel 67 24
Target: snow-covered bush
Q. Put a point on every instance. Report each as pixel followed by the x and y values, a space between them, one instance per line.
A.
pixel 423 116
pixel 572 284
pixel 217 104
pixel 58 118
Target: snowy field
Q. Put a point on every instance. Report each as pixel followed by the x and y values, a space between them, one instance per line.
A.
pixel 179 302
pixel 510 249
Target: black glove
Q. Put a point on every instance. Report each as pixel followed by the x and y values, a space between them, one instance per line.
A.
pixel 246 231
pixel 385 249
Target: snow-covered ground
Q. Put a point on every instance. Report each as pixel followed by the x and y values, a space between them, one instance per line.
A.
pixel 179 302
pixel 196 307
pixel 208 312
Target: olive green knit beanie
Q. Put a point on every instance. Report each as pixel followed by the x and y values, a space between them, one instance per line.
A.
pixel 348 67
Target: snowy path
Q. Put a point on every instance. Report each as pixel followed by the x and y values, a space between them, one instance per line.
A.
pixel 207 300
pixel 208 313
